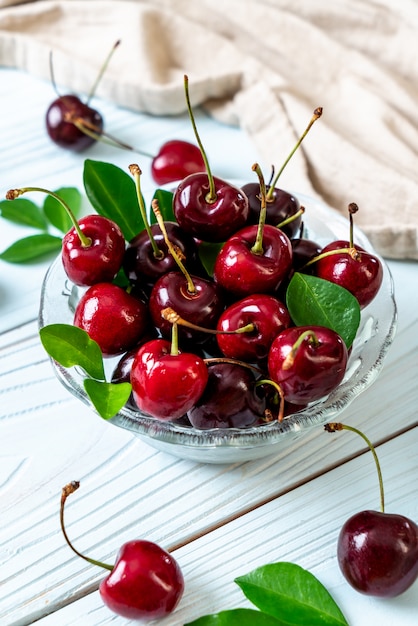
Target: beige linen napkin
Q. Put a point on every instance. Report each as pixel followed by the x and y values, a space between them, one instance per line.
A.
pixel 265 65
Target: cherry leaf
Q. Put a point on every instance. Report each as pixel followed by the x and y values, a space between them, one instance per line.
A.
pixel 238 617
pixel 107 398
pixel 207 255
pixel 55 212
pixel 112 193
pixel 70 346
pixel 31 248
pixel 290 593
pixel 315 301
pixel 165 204
pixel 24 212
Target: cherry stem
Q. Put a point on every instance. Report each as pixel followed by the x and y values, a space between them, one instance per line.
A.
pixel 292 218
pixel 257 248
pixel 268 381
pixel 290 357
pixel 175 252
pixel 352 208
pixel 66 491
pixel 174 340
pixel 224 359
pixel 172 316
pixel 333 427
pixel 136 173
pixel 323 255
pixel 316 115
pixel 101 72
pixel 12 194
pixel 211 196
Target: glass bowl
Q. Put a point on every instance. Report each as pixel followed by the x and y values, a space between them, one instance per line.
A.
pixel 374 337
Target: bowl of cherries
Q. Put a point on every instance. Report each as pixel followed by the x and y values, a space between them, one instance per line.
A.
pixel 222 321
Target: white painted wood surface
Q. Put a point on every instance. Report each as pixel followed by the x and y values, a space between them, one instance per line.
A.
pixel 228 519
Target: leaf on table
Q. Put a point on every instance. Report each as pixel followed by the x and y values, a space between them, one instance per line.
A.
pixel 238 617
pixel 70 345
pixel 23 212
pixel 31 248
pixel 112 193
pixel 107 398
pixel 55 212
pixel 316 301
pixel 165 204
pixel 289 592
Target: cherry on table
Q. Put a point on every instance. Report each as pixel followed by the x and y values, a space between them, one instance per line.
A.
pixel 145 583
pixel 377 551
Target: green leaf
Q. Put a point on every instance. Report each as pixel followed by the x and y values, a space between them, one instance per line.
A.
pixel 207 254
pixel 31 247
pixel 112 193
pixel 292 594
pixel 55 212
pixel 238 617
pixel 107 398
pixel 315 301
pixel 70 345
pixel 165 204
pixel 24 212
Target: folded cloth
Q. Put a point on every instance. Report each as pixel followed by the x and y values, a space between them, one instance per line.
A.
pixel 264 65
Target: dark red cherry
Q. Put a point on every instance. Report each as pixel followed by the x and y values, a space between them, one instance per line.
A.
pixel 230 399
pixel 269 317
pixel 112 317
pixel 303 251
pixel 201 307
pixel 241 271
pixel 308 362
pixel 378 553
pixel 280 206
pixel 142 265
pixel 214 217
pixel 60 123
pixel 101 258
pixel 175 160
pixel 166 385
pixel 358 271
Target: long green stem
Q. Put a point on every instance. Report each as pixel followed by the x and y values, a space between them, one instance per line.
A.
pixel 316 115
pixel 66 491
pixel 211 196
pixel 257 248
pixel 136 173
pixel 333 427
pixel 172 316
pixel 102 71
pixel 12 194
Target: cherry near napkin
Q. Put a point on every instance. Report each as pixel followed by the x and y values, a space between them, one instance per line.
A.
pixel 264 65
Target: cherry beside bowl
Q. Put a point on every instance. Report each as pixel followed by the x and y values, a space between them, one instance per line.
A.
pixel 374 337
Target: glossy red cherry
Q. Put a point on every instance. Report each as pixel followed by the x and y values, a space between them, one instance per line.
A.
pixel 65 118
pixel 281 205
pixel 269 317
pixel 146 582
pixel 175 160
pixel 166 385
pixel 112 317
pixel 242 271
pixel 230 399
pixel 358 271
pixel 308 362
pixel 378 553
pixel 98 260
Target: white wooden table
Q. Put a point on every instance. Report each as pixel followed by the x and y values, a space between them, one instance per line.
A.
pixel 222 521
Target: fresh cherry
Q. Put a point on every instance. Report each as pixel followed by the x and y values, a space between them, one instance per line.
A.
pixel 166 382
pixel 92 250
pixel 230 399
pixel 112 317
pixel 145 583
pixel 175 160
pixel 207 207
pixel 269 317
pixel 350 266
pixel 255 259
pixel 377 551
pixel 65 118
pixel 308 362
